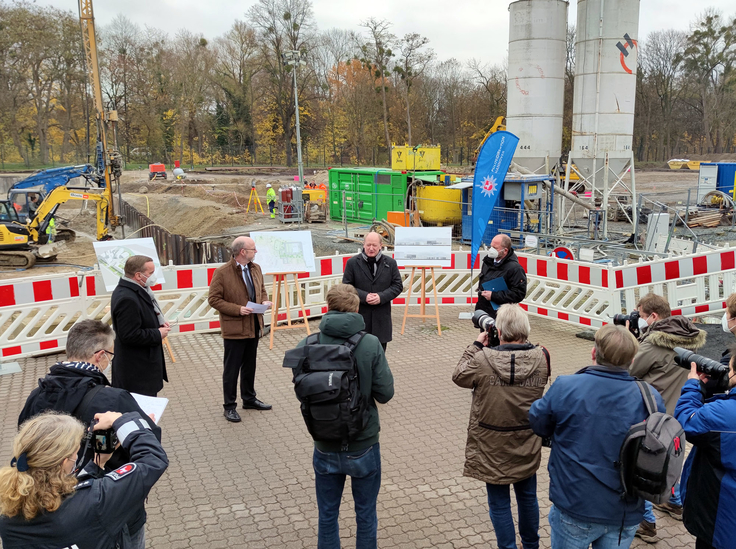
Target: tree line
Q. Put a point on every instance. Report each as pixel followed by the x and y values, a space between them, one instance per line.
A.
pixel 231 99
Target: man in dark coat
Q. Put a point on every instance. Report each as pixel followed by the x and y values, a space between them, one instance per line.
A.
pixel 78 386
pixel 501 263
pixel 140 328
pixel 377 280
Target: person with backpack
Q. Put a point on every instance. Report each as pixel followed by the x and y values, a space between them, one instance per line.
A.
pixel 708 486
pixel 344 428
pixel 502 449
pixel 587 417
pixel 78 387
pixel 655 363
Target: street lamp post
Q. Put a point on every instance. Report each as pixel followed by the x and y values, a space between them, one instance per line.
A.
pixel 294 58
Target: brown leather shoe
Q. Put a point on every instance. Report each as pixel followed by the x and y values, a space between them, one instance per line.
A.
pixel 647 531
pixel 675 511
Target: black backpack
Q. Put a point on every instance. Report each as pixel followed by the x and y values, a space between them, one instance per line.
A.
pixel 652 453
pixel 326 383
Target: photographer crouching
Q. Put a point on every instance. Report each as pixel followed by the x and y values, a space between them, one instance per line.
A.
pixel 501 447
pixel 708 486
pixel 43 505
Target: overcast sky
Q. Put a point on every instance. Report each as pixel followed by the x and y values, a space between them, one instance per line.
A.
pixel 463 29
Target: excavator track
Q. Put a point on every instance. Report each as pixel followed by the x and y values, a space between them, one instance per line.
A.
pixel 17 259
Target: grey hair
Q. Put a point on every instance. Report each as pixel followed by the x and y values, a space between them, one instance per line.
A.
pixel 513 323
pixel 87 337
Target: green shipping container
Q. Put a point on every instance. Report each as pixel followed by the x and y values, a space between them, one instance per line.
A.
pixel 369 192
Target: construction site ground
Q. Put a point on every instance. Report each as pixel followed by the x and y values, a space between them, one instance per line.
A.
pixel 214 206
pixel 251 484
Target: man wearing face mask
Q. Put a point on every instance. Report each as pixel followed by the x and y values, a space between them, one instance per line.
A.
pixel 140 328
pixel 501 262
pixel 655 364
pixel 728 323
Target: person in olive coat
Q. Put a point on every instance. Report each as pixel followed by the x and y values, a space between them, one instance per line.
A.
pixel 377 280
pixel 139 365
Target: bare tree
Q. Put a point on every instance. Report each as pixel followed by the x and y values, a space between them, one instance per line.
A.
pixel 412 64
pixel 376 55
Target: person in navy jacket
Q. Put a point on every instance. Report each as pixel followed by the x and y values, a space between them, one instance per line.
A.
pixel 708 485
pixel 587 417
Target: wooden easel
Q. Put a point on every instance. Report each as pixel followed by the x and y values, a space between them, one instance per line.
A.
pixel 168 348
pixel 277 279
pixel 422 307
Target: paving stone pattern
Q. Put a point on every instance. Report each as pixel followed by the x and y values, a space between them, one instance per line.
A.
pixel 251 484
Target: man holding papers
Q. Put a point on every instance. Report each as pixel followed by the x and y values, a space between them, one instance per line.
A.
pixel 238 293
pixel 502 279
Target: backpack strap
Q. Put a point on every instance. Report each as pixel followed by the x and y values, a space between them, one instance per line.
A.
pixel 646 394
pixel 354 340
pixel 81 410
pixel 313 339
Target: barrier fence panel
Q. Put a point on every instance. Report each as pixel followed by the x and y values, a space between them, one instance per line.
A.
pixel 37 312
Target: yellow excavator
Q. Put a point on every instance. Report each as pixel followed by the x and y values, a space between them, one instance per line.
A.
pixel 498 125
pixel 24 239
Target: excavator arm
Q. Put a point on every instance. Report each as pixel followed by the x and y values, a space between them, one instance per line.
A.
pixel 59 196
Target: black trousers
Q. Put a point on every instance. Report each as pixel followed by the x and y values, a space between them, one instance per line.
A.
pixel 384 346
pixel 701 544
pixel 240 360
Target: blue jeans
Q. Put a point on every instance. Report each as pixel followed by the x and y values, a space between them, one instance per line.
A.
pixel 570 533
pixel 330 469
pixel 674 500
pixel 499 505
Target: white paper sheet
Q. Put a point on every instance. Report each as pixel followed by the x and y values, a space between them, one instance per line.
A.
pixel 259 309
pixel 151 405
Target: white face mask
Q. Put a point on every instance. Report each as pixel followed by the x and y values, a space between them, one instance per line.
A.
pixel 643 324
pixel 151 280
pixel 724 323
pixel 493 253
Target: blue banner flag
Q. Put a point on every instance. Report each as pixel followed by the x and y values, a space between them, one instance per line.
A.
pixel 493 162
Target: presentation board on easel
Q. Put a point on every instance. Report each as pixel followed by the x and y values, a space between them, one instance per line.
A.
pixel 280 254
pixel 423 249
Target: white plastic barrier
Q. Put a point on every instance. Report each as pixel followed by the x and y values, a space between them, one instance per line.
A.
pixel 36 313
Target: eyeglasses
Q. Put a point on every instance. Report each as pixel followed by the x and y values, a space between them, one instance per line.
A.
pixel 250 250
pixel 106 351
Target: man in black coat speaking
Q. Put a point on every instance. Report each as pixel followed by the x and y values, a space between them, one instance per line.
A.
pixel 502 262
pixel 377 279
pixel 140 328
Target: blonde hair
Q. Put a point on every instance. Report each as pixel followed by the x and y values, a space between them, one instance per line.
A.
pixel 513 323
pixel 46 440
pixel 343 298
pixel 615 346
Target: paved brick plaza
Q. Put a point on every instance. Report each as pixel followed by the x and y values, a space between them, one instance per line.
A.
pixel 250 484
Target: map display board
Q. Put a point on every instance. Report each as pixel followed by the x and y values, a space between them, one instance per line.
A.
pixel 284 251
pixel 423 246
pixel 112 255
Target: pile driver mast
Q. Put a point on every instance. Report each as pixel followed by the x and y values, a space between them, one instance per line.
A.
pixel 107 160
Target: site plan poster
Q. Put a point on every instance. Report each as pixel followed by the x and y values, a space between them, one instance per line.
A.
pixel 284 251
pixel 112 255
pixel 423 246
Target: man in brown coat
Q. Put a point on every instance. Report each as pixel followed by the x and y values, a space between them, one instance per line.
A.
pixel 502 449
pixel 233 285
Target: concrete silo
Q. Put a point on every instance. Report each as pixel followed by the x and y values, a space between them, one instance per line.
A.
pixel 603 102
pixel 536 81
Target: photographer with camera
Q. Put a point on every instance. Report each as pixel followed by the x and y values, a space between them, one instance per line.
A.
pixel 709 476
pixel 655 363
pixel 728 323
pixel 43 505
pixel 502 449
pixel 78 387
pixel 588 416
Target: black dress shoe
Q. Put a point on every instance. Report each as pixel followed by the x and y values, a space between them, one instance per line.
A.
pixel 256 405
pixel 232 415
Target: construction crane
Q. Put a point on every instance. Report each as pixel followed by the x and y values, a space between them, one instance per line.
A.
pixel 107 159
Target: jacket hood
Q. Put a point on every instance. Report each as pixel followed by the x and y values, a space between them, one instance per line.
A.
pixel 341 325
pixel 676 331
pixel 74 372
pixel 511 257
pixel 523 368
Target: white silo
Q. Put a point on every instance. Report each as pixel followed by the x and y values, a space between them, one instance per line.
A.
pixel 605 90
pixel 536 81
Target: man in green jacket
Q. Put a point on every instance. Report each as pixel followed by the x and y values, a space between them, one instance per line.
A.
pixel 362 460
pixel 271 199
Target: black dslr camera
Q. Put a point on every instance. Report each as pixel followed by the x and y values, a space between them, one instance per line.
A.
pixel 717 372
pixel 633 318
pixel 103 442
pixel 483 321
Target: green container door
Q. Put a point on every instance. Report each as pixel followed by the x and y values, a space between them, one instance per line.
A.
pixel 364 199
pixel 390 193
pixel 369 193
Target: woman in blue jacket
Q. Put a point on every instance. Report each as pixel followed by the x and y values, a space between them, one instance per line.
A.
pixel 708 485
